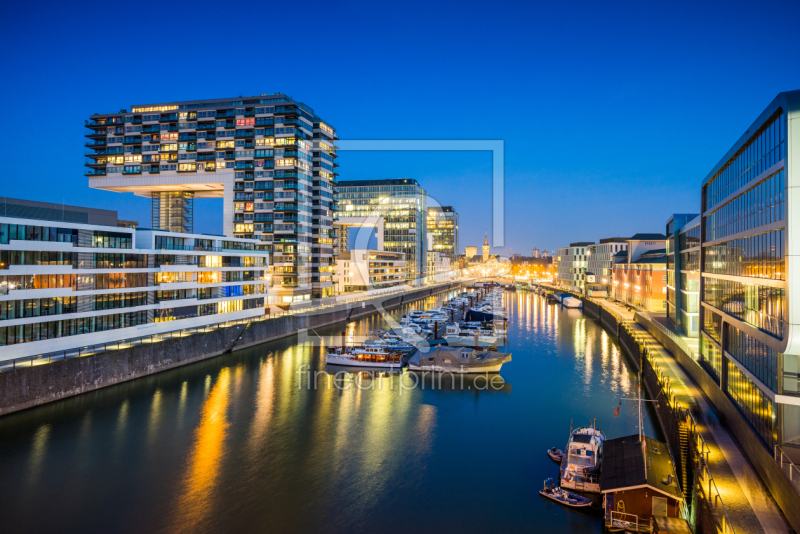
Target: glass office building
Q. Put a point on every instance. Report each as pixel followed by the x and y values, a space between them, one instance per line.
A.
pixel 749 303
pixel 443 226
pixel 683 273
pixel 402 204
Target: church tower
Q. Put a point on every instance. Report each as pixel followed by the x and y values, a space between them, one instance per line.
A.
pixel 485 248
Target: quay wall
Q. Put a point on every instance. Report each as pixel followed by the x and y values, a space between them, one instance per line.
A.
pixel 781 488
pixel 26 387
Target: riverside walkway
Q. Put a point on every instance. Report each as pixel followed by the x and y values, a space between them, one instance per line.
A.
pixel 751 508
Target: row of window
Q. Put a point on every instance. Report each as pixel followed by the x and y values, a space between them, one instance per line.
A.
pixel 19 309
pixel 760 306
pixel 763 204
pixel 12 335
pixel 765 150
pixel 29 232
pixel 758 358
pixel 761 256
pixel 754 405
pixel 36 257
pixel 119 300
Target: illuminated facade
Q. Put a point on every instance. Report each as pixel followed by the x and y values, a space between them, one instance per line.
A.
pixel 600 265
pixel 573 263
pixel 66 285
pixel 443 226
pixel 640 273
pixel 402 205
pixel 749 295
pixel 361 270
pixel 270 157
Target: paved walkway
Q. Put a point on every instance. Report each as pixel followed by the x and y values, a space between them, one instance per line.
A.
pixel 750 506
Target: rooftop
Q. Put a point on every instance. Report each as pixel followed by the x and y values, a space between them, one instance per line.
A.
pixel 363 183
pixel 623 466
pixel 582 244
pixel 648 237
pixel 614 240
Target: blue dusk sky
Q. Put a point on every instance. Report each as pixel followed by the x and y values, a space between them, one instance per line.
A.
pixel 611 113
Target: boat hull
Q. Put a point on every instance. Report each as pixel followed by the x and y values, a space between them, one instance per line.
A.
pixel 462 341
pixel 457 370
pixel 339 360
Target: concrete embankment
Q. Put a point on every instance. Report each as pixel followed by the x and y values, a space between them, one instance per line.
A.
pixel 26 387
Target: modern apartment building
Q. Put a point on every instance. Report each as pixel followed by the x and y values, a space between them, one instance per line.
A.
pixel 683 273
pixel 270 157
pixel 361 270
pixel 403 206
pixel 600 265
pixel 750 273
pixel 439 267
pixel 443 226
pixel 65 285
pixel 573 263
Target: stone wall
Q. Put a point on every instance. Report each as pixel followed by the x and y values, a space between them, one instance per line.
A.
pixel 26 387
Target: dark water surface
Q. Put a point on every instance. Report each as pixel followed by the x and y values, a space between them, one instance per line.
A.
pixel 241 443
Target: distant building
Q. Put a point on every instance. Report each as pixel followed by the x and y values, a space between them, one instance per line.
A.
pixel 360 270
pixel 402 204
pixel 601 265
pixel 640 273
pixel 439 269
pixel 470 252
pixel 535 253
pixel 443 226
pixel 485 248
pixel 573 263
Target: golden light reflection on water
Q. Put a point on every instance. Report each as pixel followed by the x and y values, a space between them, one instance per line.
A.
pixel 264 406
pixel 154 420
pixel 204 462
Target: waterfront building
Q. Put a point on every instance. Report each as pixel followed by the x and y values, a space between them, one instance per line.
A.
pixel 573 262
pixel 65 284
pixel 402 205
pixel 683 273
pixel 439 267
pixel 750 280
pixel 600 265
pixel 360 270
pixel 640 272
pixel 270 157
pixel 442 224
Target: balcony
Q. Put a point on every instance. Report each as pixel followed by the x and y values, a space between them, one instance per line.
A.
pixel 95 172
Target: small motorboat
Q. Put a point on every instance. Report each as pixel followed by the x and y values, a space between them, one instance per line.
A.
pixel 564 497
pixel 555 454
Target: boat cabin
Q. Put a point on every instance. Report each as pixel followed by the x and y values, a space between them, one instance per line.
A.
pixel 638 483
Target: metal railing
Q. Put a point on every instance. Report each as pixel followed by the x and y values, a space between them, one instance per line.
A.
pixel 788 467
pixel 672 335
pixel 708 486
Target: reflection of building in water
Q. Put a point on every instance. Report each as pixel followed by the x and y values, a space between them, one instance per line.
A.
pixel 207 452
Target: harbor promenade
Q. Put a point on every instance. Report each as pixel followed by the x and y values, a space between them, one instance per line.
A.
pixel 744 498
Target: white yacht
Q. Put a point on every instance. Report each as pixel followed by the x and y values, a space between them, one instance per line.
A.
pixel 580 468
pixel 459 360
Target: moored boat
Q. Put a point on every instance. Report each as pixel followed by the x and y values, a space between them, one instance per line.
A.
pixel 555 454
pixel 561 496
pixel 367 356
pixel 458 360
pixel 580 467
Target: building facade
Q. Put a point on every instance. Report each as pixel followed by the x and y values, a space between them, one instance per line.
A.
pixel 402 205
pixel 573 263
pixel 485 248
pixel 360 270
pixel 439 267
pixel 65 285
pixel 271 158
pixel 683 273
pixel 600 265
pixel 749 289
pixel 442 224
pixel 640 273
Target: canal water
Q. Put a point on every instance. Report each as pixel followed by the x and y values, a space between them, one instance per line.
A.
pixel 248 443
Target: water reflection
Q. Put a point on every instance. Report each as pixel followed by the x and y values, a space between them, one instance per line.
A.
pixel 206 455
pixel 241 443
